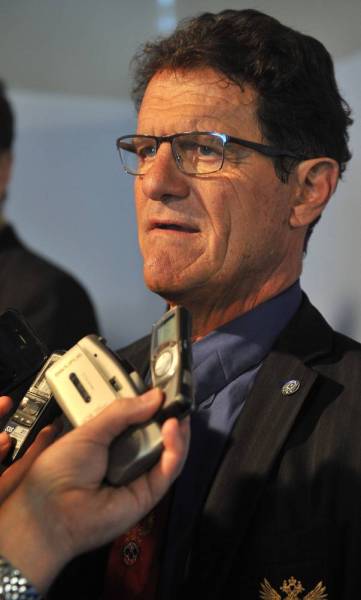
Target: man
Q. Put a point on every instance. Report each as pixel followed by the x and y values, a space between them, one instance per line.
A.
pixel 52 300
pixel 241 140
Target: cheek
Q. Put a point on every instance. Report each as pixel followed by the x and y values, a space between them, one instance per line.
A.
pixel 265 201
pixel 216 207
pixel 232 216
pixel 250 217
pixel 139 206
pixel 137 191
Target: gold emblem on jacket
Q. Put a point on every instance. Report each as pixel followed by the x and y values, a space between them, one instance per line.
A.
pixel 293 590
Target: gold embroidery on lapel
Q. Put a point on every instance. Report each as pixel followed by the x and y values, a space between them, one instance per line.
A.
pixel 293 589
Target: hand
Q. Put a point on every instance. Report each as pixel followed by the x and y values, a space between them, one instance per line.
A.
pixel 63 508
pixel 5 441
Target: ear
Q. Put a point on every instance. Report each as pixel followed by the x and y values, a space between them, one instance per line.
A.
pixel 316 182
pixel 6 162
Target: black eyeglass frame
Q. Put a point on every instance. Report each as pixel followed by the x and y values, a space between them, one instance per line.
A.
pixel 266 150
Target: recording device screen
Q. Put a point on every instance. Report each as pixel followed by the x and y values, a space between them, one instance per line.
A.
pixel 165 333
pixel 36 409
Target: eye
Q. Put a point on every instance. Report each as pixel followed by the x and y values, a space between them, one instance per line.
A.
pixel 195 148
pixel 145 151
pixel 201 146
pixel 208 151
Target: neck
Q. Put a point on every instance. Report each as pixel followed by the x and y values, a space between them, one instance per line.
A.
pixel 207 317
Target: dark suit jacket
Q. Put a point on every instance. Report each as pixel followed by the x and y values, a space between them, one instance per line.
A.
pixel 54 303
pixel 286 500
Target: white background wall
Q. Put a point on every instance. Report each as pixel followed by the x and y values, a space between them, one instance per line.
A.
pixel 332 270
pixel 72 202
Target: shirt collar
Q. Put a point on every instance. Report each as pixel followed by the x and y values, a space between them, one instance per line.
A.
pixel 241 344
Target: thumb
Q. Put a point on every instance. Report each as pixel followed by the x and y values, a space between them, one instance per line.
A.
pixel 122 413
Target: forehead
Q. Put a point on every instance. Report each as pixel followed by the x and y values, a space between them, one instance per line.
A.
pixel 200 99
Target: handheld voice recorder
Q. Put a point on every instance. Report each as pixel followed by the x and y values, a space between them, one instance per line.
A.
pixel 89 376
pixel 139 448
pixel 37 409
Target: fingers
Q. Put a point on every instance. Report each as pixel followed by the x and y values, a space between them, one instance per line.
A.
pixel 44 438
pixel 5 440
pixel 5 405
pixel 5 445
pixel 176 437
pixel 120 414
pixel 16 472
pixel 176 434
pixel 123 506
pixel 118 508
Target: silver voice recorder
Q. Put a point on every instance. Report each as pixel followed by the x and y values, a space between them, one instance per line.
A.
pixel 90 376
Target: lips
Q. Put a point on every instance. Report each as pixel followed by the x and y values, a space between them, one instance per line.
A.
pixel 168 225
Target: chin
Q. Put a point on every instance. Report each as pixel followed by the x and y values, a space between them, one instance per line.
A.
pixel 171 296
pixel 170 291
pixel 179 293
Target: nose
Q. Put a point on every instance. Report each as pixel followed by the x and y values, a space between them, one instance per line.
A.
pixel 164 180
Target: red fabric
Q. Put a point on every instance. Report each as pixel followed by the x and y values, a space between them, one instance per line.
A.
pixel 129 579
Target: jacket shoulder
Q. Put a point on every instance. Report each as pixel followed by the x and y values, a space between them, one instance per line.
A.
pixel 137 353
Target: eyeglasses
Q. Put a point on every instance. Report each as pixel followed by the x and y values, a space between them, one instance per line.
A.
pixel 195 152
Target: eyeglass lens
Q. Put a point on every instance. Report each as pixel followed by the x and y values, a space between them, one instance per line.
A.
pixel 194 153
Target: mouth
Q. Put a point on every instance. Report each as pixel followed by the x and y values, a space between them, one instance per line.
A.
pixel 171 226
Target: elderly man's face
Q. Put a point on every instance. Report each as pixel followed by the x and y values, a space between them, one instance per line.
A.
pixel 219 236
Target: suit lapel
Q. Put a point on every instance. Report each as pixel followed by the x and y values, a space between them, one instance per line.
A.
pixel 254 446
pixel 137 354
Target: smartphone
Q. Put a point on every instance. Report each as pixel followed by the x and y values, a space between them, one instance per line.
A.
pixel 23 357
pixel 22 354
